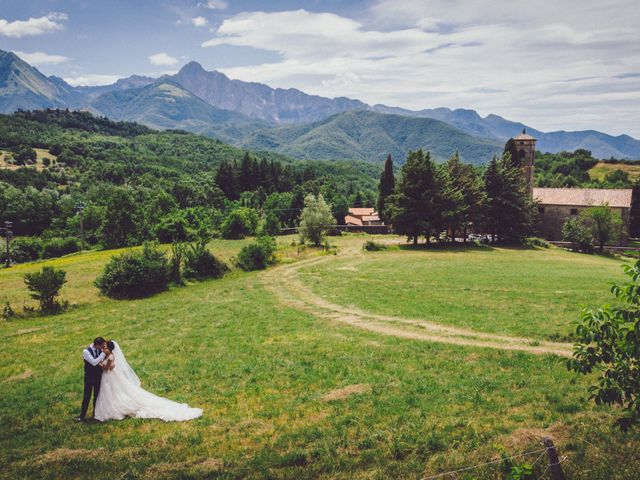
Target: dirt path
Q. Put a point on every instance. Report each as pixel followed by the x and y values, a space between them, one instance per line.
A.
pixel 285 283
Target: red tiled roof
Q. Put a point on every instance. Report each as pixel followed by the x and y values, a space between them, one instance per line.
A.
pixel 583 196
pixel 359 212
pixel 349 220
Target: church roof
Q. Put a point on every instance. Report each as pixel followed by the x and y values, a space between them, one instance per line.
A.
pixel 524 136
pixel 583 196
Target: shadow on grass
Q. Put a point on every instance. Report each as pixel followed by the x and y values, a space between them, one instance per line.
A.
pixel 447 247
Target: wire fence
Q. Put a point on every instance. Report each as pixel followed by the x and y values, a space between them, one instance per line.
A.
pixel 542 453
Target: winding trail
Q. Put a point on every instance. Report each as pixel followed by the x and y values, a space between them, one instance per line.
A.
pixel 285 283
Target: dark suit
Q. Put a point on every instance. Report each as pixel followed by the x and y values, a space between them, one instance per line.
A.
pixel 92 379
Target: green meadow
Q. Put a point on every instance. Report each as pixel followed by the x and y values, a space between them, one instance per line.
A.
pixel 289 393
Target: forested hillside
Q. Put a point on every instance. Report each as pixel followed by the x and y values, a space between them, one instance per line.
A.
pixel 133 183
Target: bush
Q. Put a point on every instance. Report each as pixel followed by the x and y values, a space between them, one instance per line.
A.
pixel 372 246
pixel 25 250
pixel 200 263
pixel 271 225
pixel 45 286
pixel 258 255
pixel 240 223
pixel 536 242
pixel 135 274
pixel 57 247
pixel 576 231
pixel 173 228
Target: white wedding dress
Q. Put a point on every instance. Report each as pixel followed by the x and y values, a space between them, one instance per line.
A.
pixel 122 396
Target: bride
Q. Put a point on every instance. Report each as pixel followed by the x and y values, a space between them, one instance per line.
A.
pixel 122 396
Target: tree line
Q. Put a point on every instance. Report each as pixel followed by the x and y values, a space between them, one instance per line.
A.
pixel 450 200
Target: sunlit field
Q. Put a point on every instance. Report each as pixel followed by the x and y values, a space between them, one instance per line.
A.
pixel 288 392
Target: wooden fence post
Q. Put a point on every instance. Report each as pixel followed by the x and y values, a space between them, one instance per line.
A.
pixel 554 463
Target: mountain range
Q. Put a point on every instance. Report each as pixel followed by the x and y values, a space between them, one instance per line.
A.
pixel 256 116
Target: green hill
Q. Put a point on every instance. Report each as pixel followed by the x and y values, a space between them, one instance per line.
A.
pixel 370 136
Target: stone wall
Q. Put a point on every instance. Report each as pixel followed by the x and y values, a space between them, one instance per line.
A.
pixel 552 217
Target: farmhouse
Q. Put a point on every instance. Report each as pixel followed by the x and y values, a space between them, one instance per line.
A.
pixel 362 217
pixel 555 205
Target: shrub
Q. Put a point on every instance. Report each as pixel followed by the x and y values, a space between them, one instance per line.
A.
pixel 576 231
pixel 57 247
pixel 536 242
pixel 606 348
pixel 240 223
pixel 173 228
pixel 135 274
pixel 200 263
pixel 25 250
pixel 257 255
pixel 45 286
pixel 271 225
pixel 372 246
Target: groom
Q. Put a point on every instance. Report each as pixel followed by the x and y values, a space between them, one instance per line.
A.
pixel 92 356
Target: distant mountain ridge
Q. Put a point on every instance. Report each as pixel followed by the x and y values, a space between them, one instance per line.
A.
pixel 248 113
pixel 258 100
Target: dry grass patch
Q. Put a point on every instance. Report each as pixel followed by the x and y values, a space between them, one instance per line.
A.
pixel 345 392
pixel 64 455
pixel 523 438
pixel 200 467
pixel 28 373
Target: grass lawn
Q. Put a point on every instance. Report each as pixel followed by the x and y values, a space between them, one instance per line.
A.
pixel 535 293
pixel 269 378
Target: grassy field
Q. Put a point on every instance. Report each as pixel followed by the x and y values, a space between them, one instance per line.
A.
pixel 41 154
pixel 601 169
pixel 288 394
pixel 533 293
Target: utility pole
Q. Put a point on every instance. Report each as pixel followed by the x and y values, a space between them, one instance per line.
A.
pixel 7 236
pixel 80 209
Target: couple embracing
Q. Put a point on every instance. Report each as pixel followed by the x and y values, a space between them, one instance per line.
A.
pixel 117 392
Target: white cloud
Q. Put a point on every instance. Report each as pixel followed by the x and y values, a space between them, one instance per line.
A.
pixel 510 59
pixel 33 26
pixel 91 79
pixel 214 4
pixel 199 21
pixel 163 59
pixel 41 58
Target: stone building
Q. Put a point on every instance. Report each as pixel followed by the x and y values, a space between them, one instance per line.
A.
pixel 362 217
pixel 555 205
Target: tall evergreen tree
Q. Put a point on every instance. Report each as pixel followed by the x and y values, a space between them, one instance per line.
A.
pixel 423 198
pixel 510 211
pixel 248 175
pixel 227 180
pixel 386 186
pixel 467 182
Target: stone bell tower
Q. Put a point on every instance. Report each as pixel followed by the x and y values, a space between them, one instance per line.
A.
pixel 526 146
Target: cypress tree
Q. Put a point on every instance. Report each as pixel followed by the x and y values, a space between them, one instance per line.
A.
pixel 386 186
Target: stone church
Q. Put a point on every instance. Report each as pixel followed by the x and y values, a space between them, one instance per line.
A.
pixel 555 205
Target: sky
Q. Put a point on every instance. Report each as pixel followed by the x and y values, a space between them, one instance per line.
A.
pixel 554 65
